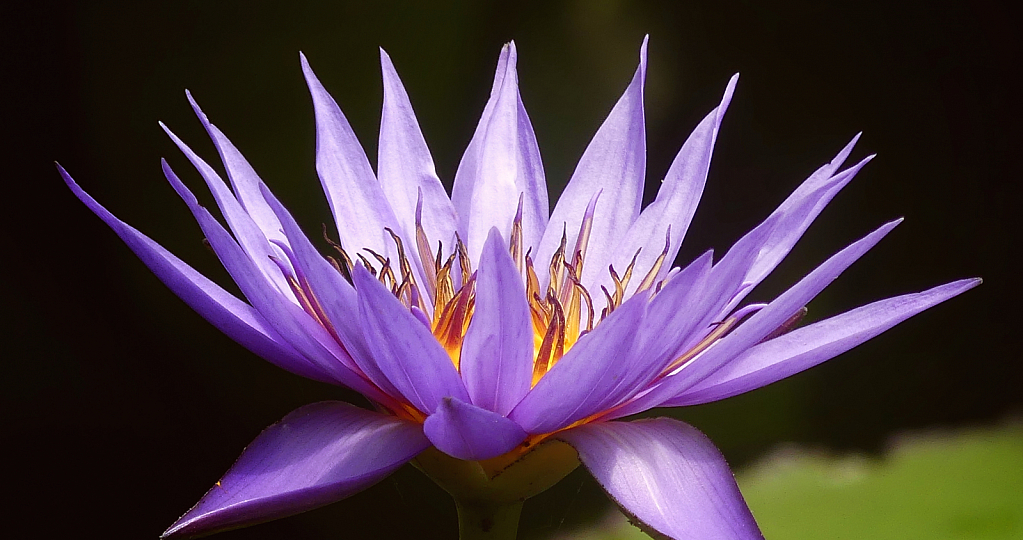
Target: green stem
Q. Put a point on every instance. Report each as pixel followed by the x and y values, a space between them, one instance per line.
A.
pixel 486 520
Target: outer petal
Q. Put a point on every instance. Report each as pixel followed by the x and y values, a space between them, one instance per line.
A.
pixel 333 295
pixel 316 455
pixel 290 321
pixel 613 164
pixel 595 373
pixel 672 211
pixel 360 209
pixel 497 353
pixel 405 167
pixel 501 164
pixel 404 349
pixel 250 237
pixel 668 476
pixel 757 327
pixel 243 178
pixel 808 346
pixel 465 431
pixel 230 315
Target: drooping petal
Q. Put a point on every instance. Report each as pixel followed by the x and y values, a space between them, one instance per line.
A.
pixel 806 347
pixel 614 164
pixel 666 475
pixel 250 237
pixel 243 178
pixel 318 454
pixel 405 168
pixel 404 349
pixel 333 295
pixel 594 374
pixel 360 210
pixel 757 327
pixel 293 324
pixel 468 432
pixel 230 315
pixel 501 164
pixel 497 353
pixel 672 211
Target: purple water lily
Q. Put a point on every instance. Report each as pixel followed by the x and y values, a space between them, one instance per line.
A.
pixel 501 343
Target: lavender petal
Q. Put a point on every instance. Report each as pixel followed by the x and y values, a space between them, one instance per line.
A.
pixel 468 432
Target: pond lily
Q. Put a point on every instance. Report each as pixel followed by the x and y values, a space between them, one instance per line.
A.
pixel 502 344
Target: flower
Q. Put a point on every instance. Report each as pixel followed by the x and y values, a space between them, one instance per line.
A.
pixel 490 334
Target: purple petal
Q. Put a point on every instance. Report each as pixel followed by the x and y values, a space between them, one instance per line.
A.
pixel 594 374
pixel 316 455
pixel 613 164
pixel 501 164
pixel 497 353
pixel 673 209
pixel 230 315
pixel 796 214
pixel 404 349
pixel 465 431
pixel 808 346
pixel 247 232
pixel 335 296
pixel 757 327
pixel 405 167
pixel 243 178
pixel 668 476
pixel 360 209
pixel 293 324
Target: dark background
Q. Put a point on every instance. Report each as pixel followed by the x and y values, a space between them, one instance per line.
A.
pixel 121 406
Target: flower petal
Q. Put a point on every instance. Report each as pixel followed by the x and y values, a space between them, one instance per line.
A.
pixel 405 167
pixel 666 475
pixel 293 324
pixel 230 315
pixel 595 373
pixel 496 359
pixel 501 164
pixel 403 347
pixel 757 327
pixel 360 210
pixel 316 455
pixel 614 165
pixel 468 432
pixel 806 347
pixel 243 178
pixel 250 237
pixel 672 211
pixel 333 295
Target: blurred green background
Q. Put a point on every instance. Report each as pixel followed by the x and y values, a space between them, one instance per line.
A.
pixel 122 406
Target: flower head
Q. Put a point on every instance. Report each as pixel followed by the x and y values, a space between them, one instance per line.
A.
pixel 489 331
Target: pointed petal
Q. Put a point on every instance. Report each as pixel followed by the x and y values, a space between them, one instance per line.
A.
pixel 405 167
pixel 497 353
pixel 243 178
pixel 759 325
pixel 293 324
pixel 230 315
pixel 613 164
pixel 806 347
pixel 331 293
pixel 501 164
pixel 316 455
pixel 465 431
pixel 672 211
pixel 795 215
pixel 245 230
pixel 594 374
pixel 666 475
pixel 404 349
pixel 361 211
